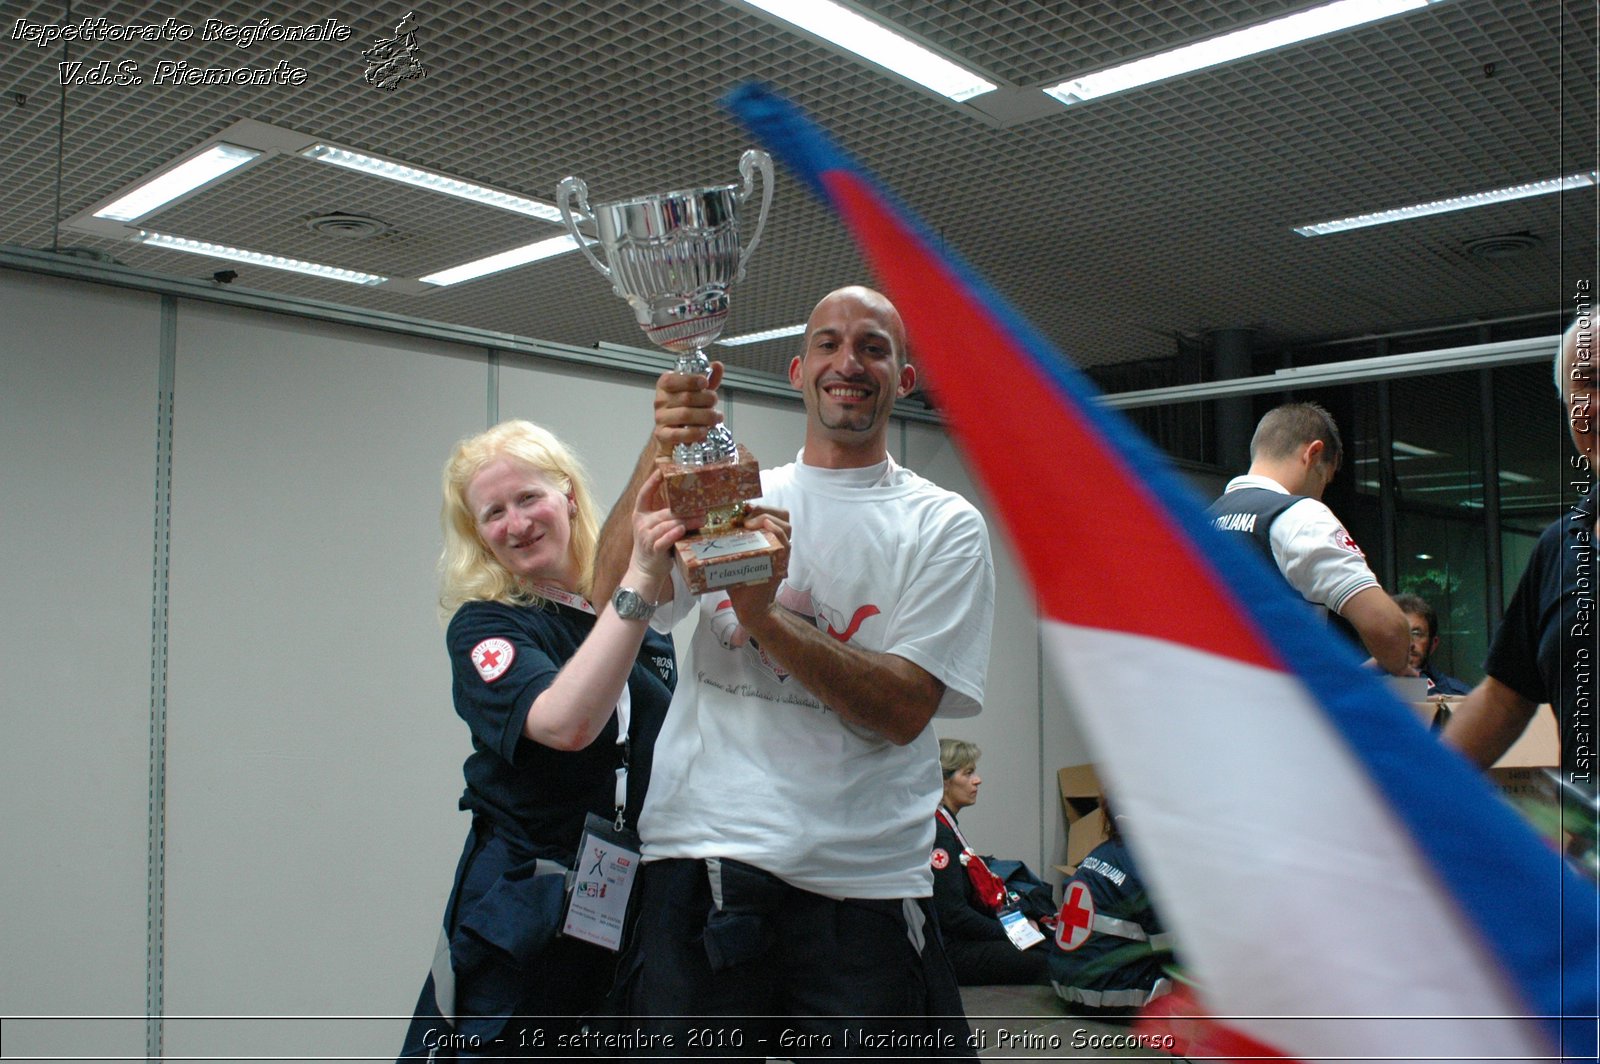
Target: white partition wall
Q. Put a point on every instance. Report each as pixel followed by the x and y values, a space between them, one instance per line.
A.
pixel 1006 821
pixel 78 404
pixel 295 686
pixel 604 416
pixel 313 758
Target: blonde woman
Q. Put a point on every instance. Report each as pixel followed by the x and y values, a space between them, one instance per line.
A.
pixel 980 950
pixel 563 698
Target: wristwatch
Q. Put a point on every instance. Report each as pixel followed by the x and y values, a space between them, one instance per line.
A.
pixel 631 606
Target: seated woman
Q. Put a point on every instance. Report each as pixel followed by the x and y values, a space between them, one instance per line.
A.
pixel 564 700
pixel 979 948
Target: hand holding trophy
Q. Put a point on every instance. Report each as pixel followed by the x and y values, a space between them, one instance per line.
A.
pixel 673 256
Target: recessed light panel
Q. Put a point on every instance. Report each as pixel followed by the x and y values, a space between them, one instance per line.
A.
pixel 1267 37
pixel 757 337
pixel 505 260
pixel 1453 203
pixel 214 162
pixel 877 43
pixel 257 258
pixel 436 182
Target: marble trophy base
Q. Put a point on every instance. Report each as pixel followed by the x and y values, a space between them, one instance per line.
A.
pixel 710 561
pixel 738 556
pixel 694 490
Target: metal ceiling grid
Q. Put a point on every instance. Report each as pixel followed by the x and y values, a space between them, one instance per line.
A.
pixel 428 231
pixel 1031 43
pixel 1113 225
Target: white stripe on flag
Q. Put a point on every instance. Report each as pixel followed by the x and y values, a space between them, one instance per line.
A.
pixel 1276 862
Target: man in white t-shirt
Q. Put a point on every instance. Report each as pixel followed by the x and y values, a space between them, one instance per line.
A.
pixel 789 820
pixel 1294 455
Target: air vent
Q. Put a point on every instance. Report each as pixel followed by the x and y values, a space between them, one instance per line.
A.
pixel 1502 246
pixel 348 226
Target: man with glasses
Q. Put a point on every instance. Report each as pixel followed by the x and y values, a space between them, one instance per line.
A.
pixel 1424 624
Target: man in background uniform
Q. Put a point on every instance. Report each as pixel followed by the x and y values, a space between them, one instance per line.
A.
pixel 1424 632
pixel 1294 455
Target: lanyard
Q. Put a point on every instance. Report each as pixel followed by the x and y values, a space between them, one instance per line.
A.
pixel 950 822
pixel 624 703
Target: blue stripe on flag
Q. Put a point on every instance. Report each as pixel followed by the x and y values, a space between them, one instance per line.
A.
pixel 1503 878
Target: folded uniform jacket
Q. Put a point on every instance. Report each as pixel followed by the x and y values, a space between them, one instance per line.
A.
pixel 509 911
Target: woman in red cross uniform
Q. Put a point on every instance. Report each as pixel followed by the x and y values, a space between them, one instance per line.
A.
pixel 966 902
pixel 563 699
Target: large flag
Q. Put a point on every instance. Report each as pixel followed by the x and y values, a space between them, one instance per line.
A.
pixel 1340 885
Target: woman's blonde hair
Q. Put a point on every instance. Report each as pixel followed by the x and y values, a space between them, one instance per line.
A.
pixel 468 570
pixel 957 754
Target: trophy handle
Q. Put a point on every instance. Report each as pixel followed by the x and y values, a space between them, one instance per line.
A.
pixel 754 159
pixel 570 187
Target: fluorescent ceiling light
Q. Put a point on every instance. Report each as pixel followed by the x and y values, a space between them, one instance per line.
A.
pixel 256 258
pixel 209 165
pixel 1401 447
pixel 450 186
pixel 1278 33
pixel 757 337
pixel 505 260
pixel 1453 203
pixel 876 43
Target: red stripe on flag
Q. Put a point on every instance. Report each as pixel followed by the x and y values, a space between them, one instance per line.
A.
pixel 1100 549
pixel 1179 1025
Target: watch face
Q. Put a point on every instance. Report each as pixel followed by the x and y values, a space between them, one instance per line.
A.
pixel 630 605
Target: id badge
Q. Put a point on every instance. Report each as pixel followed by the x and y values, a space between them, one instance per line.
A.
pixel 1021 933
pixel 602 882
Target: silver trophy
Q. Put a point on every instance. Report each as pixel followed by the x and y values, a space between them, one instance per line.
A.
pixel 673 256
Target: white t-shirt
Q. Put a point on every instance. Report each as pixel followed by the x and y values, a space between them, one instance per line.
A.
pixel 752 766
pixel 1313 551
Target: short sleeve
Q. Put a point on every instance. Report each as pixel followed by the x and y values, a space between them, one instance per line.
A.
pixel 1514 653
pixel 501 661
pixel 944 618
pixel 1318 556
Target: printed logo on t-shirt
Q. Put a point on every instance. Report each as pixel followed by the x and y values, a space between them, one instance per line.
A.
pixel 831 620
pixel 1343 539
pixel 492 658
pixel 941 858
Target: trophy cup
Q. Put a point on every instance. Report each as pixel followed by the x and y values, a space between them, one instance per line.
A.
pixel 673 256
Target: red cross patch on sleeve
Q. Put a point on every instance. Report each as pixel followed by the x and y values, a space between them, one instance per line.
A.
pixel 492 658
pixel 1343 539
pixel 1076 919
pixel 941 859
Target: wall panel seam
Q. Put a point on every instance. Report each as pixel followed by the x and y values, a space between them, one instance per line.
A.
pixel 156 839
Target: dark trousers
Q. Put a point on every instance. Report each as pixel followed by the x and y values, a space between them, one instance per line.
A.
pixel 778 971
pixel 991 963
pixel 520 988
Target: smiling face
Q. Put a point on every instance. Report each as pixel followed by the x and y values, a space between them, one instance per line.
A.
pixel 849 375
pixel 525 520
pixel 961 789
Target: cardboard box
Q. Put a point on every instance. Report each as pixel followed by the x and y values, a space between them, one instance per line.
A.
pixel 1539 746
pixel 1086 822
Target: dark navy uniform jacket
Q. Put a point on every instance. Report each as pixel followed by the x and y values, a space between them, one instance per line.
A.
pixel 529 804
pixel 1112 972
